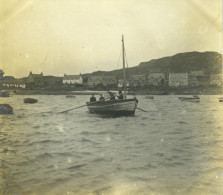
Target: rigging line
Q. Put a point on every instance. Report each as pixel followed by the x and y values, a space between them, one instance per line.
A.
pixel 119 59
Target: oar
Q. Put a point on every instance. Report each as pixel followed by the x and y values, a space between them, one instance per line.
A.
pixel 142 110
pixel 73 109
pixel 81 106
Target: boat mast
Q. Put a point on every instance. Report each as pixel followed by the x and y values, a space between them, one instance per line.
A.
pixel 123 58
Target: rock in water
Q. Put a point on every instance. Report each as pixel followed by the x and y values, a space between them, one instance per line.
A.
pixel 5 109
pixel 30 100
pixel 4 94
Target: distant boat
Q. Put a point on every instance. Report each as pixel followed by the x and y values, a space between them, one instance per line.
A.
pixel 4 94
pixel 220 99
pixel 70 96
pixel 117 107
pixel 149 97
pixel 30 100
pixel 194 98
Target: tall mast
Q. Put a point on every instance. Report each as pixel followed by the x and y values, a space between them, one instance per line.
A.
pixel 123 58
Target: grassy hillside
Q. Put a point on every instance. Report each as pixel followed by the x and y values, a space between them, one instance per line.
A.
pixel 209 62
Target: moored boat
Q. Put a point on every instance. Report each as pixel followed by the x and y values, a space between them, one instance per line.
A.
pixel 30 100
pixel 149 97
pixel 220 99
pixel 70 96
pixel 194 98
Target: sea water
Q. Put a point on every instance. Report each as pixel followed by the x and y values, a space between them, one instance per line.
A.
pixel 174 148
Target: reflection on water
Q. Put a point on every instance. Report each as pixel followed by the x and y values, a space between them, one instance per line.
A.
pixel 175 148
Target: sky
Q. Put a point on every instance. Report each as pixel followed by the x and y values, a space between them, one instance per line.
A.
pixel 82 36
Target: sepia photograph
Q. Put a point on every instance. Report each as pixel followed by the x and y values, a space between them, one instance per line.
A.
pixel 106 97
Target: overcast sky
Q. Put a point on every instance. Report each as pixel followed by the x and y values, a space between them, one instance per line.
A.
pixel 80 36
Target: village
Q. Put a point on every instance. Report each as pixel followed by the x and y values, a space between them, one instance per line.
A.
pixel 154 80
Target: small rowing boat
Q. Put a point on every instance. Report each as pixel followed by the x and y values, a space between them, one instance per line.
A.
pixel 30 100
pixel 220 99
pixel 70 96
pixel 194 98
pixel 149 97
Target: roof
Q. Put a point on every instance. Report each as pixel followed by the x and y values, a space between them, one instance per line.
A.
pixel 34 78
pixel 8 78
pixel 52 78
pixel 13 81
pixel 72 77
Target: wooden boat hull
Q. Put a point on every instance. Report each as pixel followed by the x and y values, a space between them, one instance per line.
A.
pixel 190 99
pixel 220 99
pixel 114 107
pixel 149 97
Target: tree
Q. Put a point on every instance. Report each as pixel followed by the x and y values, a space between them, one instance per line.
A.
pixel 1 73
pixel 1 76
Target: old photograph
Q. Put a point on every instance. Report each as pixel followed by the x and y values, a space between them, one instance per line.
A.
pixel 106 97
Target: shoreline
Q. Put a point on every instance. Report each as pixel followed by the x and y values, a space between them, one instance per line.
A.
pixel 142 91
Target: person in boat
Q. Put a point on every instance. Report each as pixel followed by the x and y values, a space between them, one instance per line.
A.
pixel 112 96
pixel 101 99
pixel 92 99
pixel 120 96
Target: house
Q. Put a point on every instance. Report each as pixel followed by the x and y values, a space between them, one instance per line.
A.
pixel 94 81
pixel 106 81
pixel 156 79
pixel 121 83
pixel 178 79
pixel 12 82
pixel 137 80
pixel 109 81
pixel 52 81
pixel 196 78
pixel 73 79
pixel 216 79
pixel 35 80
pixel 8 81
pixel 193 81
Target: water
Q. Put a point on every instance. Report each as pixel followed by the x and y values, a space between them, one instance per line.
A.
pixel 175 148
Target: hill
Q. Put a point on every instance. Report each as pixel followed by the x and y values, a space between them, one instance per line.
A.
pixel 209 62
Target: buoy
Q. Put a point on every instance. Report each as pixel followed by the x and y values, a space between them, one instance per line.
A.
pixel 6 109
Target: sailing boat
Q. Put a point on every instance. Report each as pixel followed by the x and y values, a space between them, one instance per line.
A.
pixel 117 107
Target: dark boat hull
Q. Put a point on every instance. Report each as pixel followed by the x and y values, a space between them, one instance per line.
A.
pixel 30 100
pixel 114 107
pixel 190 99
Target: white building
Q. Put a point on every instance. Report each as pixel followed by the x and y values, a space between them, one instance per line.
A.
pixel 73 79
pixel 121 83
pixel 178 79
pixel 216 79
